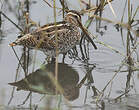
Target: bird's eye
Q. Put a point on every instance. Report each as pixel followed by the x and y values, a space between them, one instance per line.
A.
pixel 76 17
pixel 19 36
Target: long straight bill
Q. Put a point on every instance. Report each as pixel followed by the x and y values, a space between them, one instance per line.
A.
pixel 87 35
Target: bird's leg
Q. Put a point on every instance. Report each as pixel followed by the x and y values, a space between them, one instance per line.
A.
pixel 64 54
pixel 53 60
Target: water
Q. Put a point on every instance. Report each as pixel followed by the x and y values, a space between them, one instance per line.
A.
pixel 106 63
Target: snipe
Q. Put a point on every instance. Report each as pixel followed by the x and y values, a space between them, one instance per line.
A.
pixel 44 38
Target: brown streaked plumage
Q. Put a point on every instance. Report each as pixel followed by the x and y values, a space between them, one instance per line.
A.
pixel 44 38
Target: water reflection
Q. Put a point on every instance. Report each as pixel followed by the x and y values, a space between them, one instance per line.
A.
pixel 40 81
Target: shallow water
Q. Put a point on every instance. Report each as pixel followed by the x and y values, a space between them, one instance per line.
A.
pixel 101 64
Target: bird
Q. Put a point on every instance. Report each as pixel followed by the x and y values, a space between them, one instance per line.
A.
pixel 61 36
pixel 42 81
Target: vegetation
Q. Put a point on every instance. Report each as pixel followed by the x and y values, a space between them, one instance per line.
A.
pixel 62 77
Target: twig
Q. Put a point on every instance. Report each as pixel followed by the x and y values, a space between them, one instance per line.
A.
pixel 121 95
pixel 12 94
pixel 48 3
pixel 11 21
pixel 18 59
pixel 26 99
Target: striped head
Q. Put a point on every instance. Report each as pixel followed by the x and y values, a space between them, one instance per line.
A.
pixel 73 17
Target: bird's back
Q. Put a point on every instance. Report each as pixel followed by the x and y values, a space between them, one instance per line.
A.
pixel 63 35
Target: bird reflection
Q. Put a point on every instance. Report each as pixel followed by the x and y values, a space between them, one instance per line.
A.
pixel 40 82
